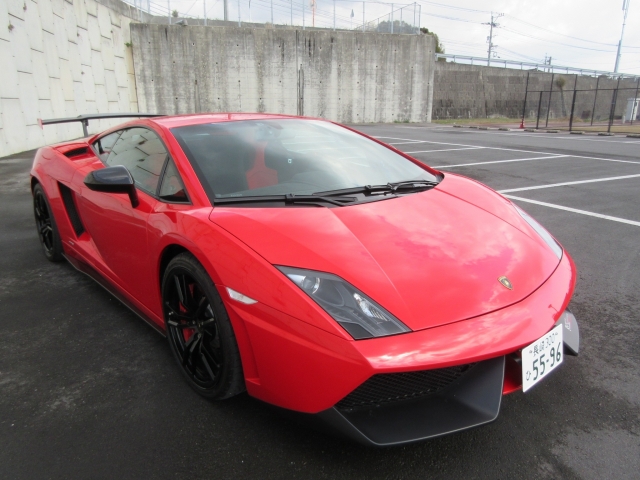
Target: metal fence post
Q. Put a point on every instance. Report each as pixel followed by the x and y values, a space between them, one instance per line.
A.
pixel 524 105
pixel 549 104
pixel 614 100
pixel 539 105
pixel 414 17
pixel 595 97
pixel 573 105
pixel 635 114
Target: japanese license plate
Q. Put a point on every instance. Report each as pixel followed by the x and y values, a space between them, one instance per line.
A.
pixel 541 357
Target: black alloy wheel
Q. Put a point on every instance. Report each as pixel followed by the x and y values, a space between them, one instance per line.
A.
pixel 199 331
pixel 46 226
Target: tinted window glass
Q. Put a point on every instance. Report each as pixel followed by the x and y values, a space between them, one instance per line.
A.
pixel 276 157
pixel 103 145
pixel 142 152
pixel 172 189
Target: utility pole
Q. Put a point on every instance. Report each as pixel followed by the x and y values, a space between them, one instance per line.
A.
pixel 226 10
pixel 204 4
pixel 169 7
pixel 625 7
pixel 271 12
pixel 492 24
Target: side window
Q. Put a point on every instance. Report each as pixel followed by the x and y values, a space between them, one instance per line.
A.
pixel 172 189
pixel 142 152
pixel 103 145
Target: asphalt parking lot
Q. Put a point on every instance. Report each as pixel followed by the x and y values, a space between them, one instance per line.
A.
pixel 87 390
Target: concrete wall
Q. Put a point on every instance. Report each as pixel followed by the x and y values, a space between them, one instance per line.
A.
pixel 474 91
pixel 62 58
pixel 347 77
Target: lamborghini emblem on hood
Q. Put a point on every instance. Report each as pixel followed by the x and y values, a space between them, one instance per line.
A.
pixel 505 282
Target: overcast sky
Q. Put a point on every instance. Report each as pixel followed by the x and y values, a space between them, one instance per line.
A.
pixel 577 33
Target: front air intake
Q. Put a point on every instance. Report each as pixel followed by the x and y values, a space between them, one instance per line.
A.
pixel 383 389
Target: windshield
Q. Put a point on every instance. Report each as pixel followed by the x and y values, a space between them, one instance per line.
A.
pixel 280 157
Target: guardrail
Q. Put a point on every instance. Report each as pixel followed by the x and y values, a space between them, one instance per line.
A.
pixel 543 67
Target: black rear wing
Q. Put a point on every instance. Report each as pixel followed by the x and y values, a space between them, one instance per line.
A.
pixel 84 119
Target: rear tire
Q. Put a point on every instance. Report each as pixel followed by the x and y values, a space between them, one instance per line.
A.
pixel 199 331
pixel 46 226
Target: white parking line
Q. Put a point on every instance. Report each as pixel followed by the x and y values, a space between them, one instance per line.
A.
pixel 466 145
pixel 605 159
pixel 545 136
pixel 443 150
pixel 501 161
pixel 575 210
pixel 405 143
pixel 551 185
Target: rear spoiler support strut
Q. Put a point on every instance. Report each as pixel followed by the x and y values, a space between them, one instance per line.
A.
pixel 84 119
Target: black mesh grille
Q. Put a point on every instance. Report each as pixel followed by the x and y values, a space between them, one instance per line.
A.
pixel 395 387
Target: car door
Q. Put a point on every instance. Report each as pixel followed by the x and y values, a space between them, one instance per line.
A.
pixel 118 230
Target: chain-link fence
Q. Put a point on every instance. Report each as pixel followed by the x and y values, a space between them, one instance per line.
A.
pixel 599 110
pixel 356 15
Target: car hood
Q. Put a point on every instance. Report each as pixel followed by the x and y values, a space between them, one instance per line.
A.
pixel 430 258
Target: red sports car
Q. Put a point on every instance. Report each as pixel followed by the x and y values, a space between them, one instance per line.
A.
pixel 315 267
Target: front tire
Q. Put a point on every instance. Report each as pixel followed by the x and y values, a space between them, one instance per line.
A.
pixel 46 226
pixel 199 331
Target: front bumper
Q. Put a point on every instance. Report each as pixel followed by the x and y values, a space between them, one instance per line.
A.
pixel 401 416
pixel 297 366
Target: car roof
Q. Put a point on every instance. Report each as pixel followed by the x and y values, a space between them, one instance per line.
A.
pixel 200 118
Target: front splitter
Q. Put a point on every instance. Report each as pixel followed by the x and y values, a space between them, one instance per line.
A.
pixel 472 401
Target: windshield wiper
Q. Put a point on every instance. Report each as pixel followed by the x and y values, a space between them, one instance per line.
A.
pixel 290 198
pixel 409 185
pixel 396 187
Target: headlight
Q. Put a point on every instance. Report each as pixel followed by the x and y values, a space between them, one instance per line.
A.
pixel 546 236
pixel 358 314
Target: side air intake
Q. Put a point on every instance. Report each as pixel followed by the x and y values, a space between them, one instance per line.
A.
pixel 72 211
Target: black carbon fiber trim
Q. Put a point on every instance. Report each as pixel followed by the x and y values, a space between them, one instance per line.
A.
pixel 383 389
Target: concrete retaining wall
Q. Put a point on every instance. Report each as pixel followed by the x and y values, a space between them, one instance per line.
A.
pixel 346 77
pixel 62 58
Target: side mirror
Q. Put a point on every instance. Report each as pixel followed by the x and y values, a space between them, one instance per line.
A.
pixel 113 180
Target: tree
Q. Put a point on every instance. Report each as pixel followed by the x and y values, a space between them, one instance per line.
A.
pixel 174 14
pixel 439 45
pixel 560 83
pixel 399 26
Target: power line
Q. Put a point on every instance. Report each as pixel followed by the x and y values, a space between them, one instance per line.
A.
pixel 555 42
